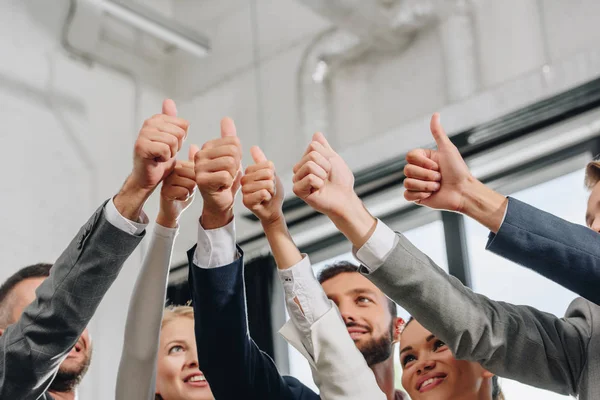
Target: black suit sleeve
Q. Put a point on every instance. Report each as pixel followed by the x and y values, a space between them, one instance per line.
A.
pixel 233 364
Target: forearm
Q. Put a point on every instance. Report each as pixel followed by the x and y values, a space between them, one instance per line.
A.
pixel 484 205
pixel 282 245
pixel 142 329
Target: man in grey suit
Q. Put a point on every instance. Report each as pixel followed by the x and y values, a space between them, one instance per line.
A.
pixel 517 342
pixel 49 334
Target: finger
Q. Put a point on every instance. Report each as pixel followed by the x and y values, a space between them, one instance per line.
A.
pixel 174 130
pixel 228 150
pixel 319 148
pixel 422 158
pixel 315 157
pixel 441 139
pixel 252 200
pixel 320 138
pixel 310 168
pixel 416 185
pixel 265 165
pixel 214 180
pixel 162 118
pixel 416 196
pixel 257 186
pixel 185 170
pixel 169 108
pixel 257 155
pixel 176 193
pixel 152 150
pixel 233 141
pixel 157 136
pixel 227 163
pixel 308 185
pixel 227 128
pixel 194 149
pixel 424 174
pixel 265 174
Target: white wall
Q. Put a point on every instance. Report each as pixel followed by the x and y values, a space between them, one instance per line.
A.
pixel 67 140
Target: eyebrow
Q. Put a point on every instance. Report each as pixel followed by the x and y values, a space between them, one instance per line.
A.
pixel 361 291
pixel 428 339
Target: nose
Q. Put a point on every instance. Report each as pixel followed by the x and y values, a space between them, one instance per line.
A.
pixel 596 225
pixel 191 359
pixel 425 366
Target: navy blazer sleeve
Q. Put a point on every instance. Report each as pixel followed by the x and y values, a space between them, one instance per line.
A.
pixel 567 253
pixel 234 366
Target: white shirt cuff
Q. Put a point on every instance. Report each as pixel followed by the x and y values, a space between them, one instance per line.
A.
pixel 375 251
pixel 164 232
pixel 505 212
pixel 115 218
pixel 299 283
pixel 216 247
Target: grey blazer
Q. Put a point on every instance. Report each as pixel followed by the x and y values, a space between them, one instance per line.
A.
pixel 517 342
pixel 32 349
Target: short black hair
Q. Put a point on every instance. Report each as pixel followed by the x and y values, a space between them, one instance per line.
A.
pixel 41 270
pixel 341 267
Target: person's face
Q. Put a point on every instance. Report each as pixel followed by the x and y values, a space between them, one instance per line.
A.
pixel 592 215
pixel 365 311
pixel 430 371
pixel 178 376
pixel 74 367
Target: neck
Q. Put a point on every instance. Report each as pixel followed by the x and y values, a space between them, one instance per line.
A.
pixel 63 395
pixel 384 375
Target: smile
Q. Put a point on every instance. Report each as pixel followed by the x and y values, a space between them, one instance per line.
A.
pixel 431 383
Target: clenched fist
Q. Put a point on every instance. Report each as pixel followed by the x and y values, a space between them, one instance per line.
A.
pixel 177 192
pixel 261 189
pixel 157 144
pixel 218 174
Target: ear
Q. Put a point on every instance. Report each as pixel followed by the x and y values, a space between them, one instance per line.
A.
pixel 1 331
pixel 398 327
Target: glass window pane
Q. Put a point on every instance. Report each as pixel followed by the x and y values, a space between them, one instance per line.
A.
pixel 500 279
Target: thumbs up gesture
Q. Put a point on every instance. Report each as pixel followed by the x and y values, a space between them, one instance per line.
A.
pixel 437 178
pixel 262 190
pixel 177 191
pixel 218 175
pixel 157 144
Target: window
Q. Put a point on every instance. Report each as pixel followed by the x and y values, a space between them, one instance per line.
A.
pixel 500 279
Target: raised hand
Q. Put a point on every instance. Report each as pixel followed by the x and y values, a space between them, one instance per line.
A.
pixel 177 192
pixel 437 178
pixel 262 190
pixel 157 144
pixel 218 175
pixel 322 179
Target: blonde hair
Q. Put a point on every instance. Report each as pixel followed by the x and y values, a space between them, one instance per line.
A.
pixel 170 314
pixel 592 173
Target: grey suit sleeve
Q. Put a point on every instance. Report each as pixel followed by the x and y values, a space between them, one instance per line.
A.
pixel 567 253
pixel 136 378
pixel 517 342
pixel 32 349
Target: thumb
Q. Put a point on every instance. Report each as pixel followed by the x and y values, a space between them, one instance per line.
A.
pixel 227 127
pixel 319 137
pixel 437 131
pixel 192 153
pixel 257 154
pixel 169 108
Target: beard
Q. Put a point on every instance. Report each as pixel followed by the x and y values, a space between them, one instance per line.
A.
pixel 378 350
pixel 67 379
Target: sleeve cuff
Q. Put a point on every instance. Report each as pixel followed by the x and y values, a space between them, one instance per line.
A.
pixel 299 284
pixel 375 251
pixel 216 247
pixel 118 221
pixel 164 232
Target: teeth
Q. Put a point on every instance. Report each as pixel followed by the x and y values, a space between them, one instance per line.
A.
pixel 197 378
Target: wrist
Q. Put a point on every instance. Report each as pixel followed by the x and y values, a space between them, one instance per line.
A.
pixel 131 199
pixel 166 220
pixel 274 222
pixel 355 222
pixel 484 205
pixel 213 219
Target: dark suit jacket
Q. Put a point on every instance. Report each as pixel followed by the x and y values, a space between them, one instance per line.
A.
pixel 233 364
pixel 567 253
pixel 32 349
